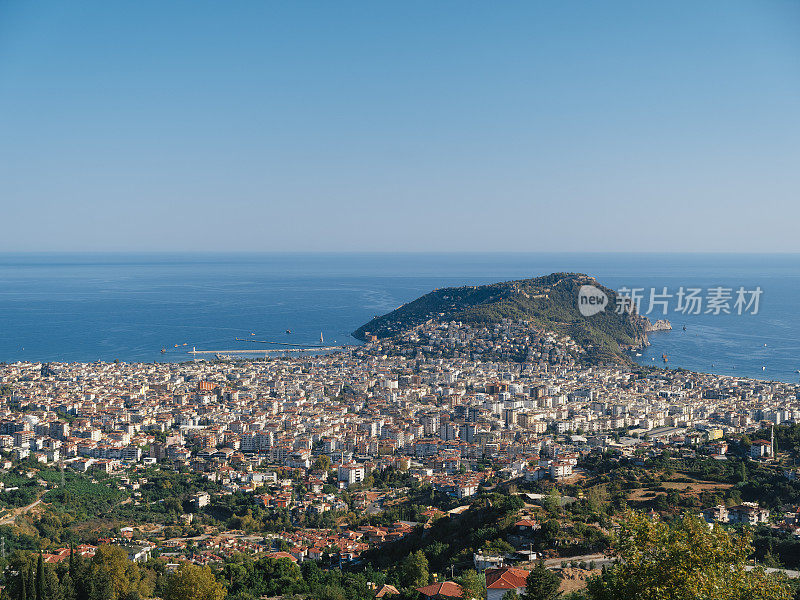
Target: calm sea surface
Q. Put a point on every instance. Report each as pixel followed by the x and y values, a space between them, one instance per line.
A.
pixel 87 307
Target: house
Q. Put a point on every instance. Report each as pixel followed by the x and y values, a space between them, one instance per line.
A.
pixel 748 512
pixel 717 513
pixel 760 449
pixel 525 526
pixel 386 590
pixel 281 555
pixel 138 554
pixel 560 469
pixel 484 561
pixel 500 581
pixel 441 591
pixel 350 473
pixel 201 499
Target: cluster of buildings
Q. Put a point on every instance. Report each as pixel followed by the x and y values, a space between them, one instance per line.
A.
pixel 451 403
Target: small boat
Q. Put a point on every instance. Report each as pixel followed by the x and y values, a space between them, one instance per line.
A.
pixel 638 354
pixel 251 333
pixel 664 357
pixel 176 345
pixel 288 331
pixel 763 368
pixel 684 327
pixel 163 351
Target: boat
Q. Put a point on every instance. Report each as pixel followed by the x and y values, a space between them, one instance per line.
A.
pixel 163 351
pixel 684 327
pixel 288 331
pixel 176 345
pixel 664 357
pixel 763 368
pixel 321 339
pixel 638 354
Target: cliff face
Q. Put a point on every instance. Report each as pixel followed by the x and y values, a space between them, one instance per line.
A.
pixel 550 302
pixel 660 325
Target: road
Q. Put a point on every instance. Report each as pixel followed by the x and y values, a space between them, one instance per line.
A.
pixel 9 519
pixel 601 560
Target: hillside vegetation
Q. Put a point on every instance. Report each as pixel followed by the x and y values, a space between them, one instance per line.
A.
pixel 549 302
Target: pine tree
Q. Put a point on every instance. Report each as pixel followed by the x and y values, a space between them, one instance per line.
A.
pixel 542 584
pixel 72 560
pixel 30 582
pixel 40 578
pixel 22 586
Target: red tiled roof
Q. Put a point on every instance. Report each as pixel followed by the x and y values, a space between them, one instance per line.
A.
pixel 506 578
pixel 525 523
pixel 281 555
pixel 386 590
pixel 449 589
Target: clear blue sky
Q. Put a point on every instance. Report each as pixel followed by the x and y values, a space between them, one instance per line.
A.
pixel 521 126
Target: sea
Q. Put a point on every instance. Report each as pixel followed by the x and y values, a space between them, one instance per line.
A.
pixel 130 307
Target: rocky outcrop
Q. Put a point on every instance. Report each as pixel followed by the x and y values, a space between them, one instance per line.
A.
pixel 660 325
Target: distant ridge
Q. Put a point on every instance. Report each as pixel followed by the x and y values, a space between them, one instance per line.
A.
pixel 549 302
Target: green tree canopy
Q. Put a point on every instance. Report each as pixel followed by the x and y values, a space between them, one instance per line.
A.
pixel 542 584
pixel 191 582
pixel 683 560
pixel 473 585
pixel 413 571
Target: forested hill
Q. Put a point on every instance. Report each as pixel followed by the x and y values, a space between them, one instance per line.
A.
pixel 549 302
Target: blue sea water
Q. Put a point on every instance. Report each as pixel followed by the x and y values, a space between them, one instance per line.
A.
pixel 87 307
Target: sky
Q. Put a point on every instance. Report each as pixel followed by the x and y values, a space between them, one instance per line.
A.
pixel 400 126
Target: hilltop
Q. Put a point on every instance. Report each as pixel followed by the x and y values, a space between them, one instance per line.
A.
pixel 548 302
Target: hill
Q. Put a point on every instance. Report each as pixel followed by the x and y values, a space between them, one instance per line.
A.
pixel 549 302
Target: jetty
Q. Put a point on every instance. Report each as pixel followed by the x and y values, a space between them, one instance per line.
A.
pixel 271 350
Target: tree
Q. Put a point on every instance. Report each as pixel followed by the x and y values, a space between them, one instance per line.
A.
pixel 542 584
pixel 552 502
pixel 683 560
pixel 414 570
pixel 191 582
pixel 40 578
pixel 112 562
pixel 22 586
pixel 322 463
pixel 473 585
pixel 510 595
pixel 30 584
pixel 550 530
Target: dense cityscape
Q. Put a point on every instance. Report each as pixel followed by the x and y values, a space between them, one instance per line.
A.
pixel 342 459
pixel 399 300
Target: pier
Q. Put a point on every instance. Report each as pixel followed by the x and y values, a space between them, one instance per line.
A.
pixel 288 344
pixel 271 350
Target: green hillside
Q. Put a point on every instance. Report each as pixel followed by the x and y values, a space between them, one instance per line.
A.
pixel 549 302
